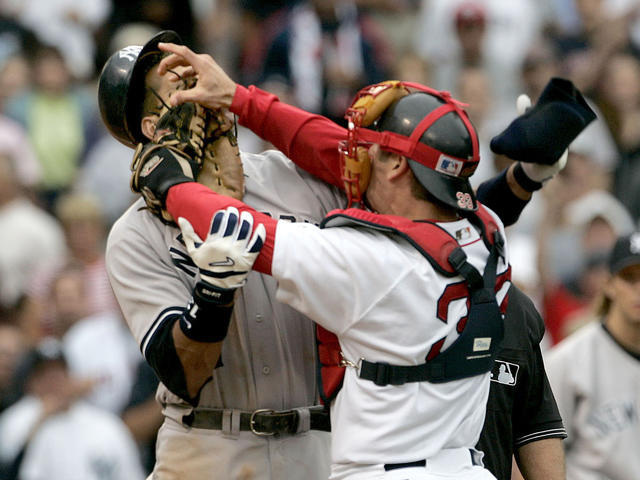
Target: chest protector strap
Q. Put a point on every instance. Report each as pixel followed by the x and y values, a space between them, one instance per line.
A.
pixel 475 349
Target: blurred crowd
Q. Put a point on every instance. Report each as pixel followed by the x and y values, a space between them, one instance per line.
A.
pixel 64 180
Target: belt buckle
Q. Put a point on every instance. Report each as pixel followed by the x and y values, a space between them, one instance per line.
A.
pixel 252 422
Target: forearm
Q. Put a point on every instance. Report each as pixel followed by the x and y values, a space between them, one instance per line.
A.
pixel 505 196
pixel 198 360
pixel 198 203
pixel 542 460
pixel 311 141
pixel 186 348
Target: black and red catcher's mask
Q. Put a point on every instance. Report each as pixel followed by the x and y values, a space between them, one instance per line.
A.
pixel 428 127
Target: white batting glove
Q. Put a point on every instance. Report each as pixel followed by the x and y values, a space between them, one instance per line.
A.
pixel 536 171
pixel 226 256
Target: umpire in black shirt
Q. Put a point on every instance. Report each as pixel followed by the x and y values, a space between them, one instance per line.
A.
pixel 522 416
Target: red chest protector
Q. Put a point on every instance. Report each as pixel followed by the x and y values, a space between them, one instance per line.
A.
pixel 447 257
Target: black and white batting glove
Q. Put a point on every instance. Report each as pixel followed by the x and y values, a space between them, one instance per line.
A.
pixel 226 256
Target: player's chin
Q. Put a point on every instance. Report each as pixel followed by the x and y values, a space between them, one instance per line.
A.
pixel 634 313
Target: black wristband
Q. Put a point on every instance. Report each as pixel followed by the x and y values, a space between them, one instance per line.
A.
pixel 523 180
pixel 208 314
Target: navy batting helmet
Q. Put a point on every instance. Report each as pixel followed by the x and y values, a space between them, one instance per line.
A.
pixel 121 87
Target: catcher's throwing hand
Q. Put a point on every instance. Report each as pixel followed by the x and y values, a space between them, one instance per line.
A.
pixel 226 256
pixel 214 89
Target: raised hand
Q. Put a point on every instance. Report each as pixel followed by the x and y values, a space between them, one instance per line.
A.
pixel 213 89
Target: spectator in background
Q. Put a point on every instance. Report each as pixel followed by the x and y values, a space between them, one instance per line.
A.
pixel 260 23
pixel 619 99
pixel 105 174
pixel 15 78
pixel 31 239
pixel 57 117
pixel 12 346
pixel 97 347
pixel 491 34
pixel 51 433
pixel 573 258
pixel 176 15
pixel 541 63
pixel 84 227
pixel 601 32
pixel 67 25
pixel 593 154
pixel 595 375
pixel 15 38
pixel 474 87
pixel 85 231
pixel 15 144
pixel 143 414
pixel 325 52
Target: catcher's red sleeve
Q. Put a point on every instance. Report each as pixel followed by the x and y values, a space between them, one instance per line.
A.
pixel 198 203
pixel 311 141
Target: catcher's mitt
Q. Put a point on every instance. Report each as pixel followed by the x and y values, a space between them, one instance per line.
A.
pixel 205 138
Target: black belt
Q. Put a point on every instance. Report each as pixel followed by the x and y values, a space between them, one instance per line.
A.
pixel 261 422
pixel 423 463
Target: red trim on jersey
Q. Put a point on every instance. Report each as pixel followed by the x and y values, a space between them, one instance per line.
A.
pixel 310 141
pixel 198 203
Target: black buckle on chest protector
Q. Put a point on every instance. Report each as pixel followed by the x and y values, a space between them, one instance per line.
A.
pixel 474 351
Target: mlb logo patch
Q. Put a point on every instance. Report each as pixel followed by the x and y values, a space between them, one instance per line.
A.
pixel 449 165
pixel 504 372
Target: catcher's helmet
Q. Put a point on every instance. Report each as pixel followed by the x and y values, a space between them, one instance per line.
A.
pixel 121 87
pixel 452 155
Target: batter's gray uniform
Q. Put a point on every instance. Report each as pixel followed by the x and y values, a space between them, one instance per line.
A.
pixel 268 356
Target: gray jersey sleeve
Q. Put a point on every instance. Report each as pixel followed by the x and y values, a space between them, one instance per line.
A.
pixel 149 282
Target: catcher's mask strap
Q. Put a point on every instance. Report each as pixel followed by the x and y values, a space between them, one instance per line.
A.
pixel 396 143
pixel 411 146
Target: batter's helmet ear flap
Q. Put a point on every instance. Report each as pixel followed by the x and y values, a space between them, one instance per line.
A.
pixel 121 87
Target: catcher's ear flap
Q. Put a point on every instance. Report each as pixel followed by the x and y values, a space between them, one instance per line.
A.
pixel 357 172
pixel 545 131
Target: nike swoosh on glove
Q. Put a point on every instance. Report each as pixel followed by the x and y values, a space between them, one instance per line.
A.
pixel 232 245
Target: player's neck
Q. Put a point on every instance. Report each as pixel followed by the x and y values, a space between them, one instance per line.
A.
pixel 406 205
pixel 626 331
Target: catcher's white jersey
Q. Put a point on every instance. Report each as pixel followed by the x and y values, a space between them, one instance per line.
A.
pixel 379 295
pixel 597 386
pixel 269 353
